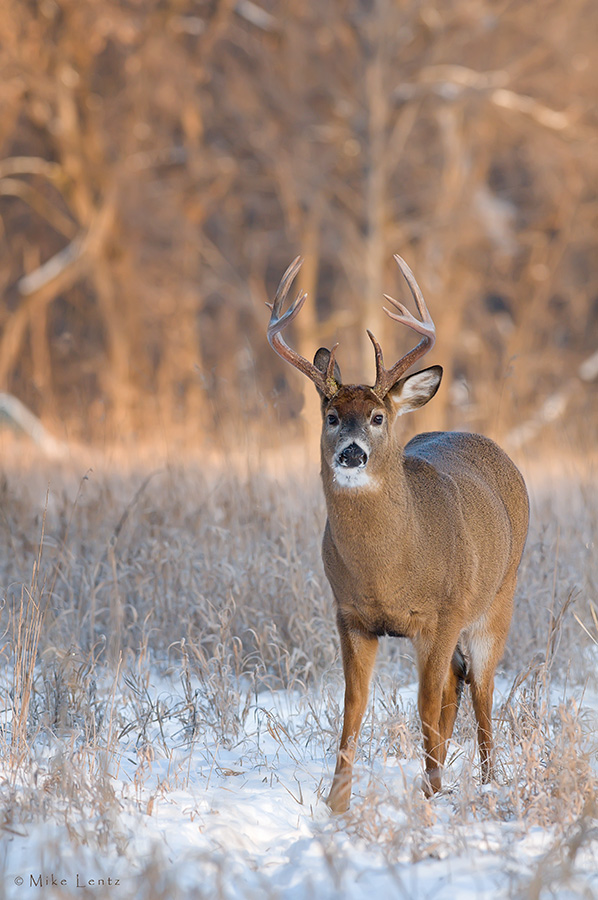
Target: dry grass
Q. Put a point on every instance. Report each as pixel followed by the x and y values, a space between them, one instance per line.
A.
pixel 210 582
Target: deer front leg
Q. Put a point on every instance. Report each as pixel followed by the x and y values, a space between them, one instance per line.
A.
pixel 451 698
pixel 437 702
pixel 359 654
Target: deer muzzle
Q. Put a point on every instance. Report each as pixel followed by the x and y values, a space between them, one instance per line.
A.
pixel 352 457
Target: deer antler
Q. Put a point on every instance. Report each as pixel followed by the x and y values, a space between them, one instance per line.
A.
pixel 324 381
pixel 387 378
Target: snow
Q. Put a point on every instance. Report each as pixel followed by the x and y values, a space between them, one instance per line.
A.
pixel 246 818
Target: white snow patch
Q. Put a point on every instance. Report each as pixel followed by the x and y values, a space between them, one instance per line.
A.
pixel 247 818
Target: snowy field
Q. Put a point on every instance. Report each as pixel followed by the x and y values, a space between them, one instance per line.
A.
pixel 185 817
pixel 172 706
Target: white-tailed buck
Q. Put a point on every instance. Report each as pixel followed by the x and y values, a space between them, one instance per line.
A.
pixel 422 541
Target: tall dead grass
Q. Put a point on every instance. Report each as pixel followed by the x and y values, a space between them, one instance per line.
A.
pixel 212 580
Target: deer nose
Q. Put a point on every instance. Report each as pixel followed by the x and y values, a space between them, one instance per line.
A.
pixel 352 456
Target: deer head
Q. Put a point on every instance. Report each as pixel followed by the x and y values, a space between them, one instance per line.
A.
pixel 357 420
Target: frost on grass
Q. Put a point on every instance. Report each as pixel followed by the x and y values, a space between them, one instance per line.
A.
pixel 172 701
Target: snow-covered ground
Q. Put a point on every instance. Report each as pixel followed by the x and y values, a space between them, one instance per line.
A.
pixel 190 815
pixel 169 731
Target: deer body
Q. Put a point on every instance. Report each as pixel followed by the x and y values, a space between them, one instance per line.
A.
pixel 421 542
pixel 427 532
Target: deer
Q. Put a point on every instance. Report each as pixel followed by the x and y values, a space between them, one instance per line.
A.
pixel 421 541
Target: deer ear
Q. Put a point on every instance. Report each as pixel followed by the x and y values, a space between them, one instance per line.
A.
pixel 321 360
pixel 415 390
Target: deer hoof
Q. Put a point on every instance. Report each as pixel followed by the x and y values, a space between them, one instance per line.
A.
pixel 432 782
pixel 339 797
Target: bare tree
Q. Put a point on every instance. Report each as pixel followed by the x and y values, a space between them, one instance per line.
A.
pixel 161 163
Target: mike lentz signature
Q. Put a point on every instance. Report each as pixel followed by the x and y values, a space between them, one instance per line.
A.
pixel 53 880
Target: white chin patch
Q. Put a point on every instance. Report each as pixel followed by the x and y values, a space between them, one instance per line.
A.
pixel 356 477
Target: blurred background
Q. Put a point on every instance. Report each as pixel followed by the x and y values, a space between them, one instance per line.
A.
pixel 162 162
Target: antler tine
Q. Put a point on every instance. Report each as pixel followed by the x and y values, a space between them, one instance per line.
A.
pixel 414 288
pixel 283 289
pixel 380 370
pixel 325 382
pixel 407 318
pixel 386 378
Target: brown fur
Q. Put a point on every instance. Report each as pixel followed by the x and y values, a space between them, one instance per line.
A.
pixel 422 541
pixel 430 551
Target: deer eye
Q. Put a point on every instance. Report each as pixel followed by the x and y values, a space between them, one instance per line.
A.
pixel 378 419
pixel 332 419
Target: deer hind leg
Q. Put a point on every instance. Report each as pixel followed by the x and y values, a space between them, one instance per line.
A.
pixel 359 655
pixel 481 695
pixel 485 644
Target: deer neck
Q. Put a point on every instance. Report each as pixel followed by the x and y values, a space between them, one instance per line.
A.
pixel 361 517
